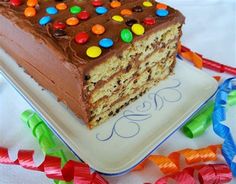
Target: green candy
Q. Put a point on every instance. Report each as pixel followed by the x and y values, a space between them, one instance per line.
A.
pixel 126 35
pixel 75 9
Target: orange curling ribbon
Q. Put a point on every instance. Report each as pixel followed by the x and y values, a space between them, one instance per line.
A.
pixel 200 62
pixel 171 163
pixel 51 166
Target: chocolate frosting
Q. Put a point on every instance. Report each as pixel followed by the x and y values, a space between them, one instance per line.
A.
pixel 59 63
pixel 66 46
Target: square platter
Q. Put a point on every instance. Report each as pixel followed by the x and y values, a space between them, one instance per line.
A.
pixel 118 145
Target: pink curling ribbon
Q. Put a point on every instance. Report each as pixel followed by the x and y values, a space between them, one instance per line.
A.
pixel 78 172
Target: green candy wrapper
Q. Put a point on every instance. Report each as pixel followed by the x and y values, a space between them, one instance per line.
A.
pixel 202 120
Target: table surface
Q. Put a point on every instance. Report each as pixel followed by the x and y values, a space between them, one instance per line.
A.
pixel 210 29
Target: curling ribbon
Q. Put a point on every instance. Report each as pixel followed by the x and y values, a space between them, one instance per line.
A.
pixel 219 116
pixel 200 62
pixel 171 164
pixel 51 166
pixel 199 123
pixel 207 174
pixel 48 142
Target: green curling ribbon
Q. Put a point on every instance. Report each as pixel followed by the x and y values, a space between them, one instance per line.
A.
pixel 48 142
pixel 203 119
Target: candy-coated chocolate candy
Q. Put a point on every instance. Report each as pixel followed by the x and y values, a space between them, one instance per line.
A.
pixel 81 37
pixel 149 21
pixel 15 2
pixel 101 10
pixel 117 18
pixel 32 3
pixel 115 4
pixel 84 15
pixel 130 22
pixel 126 12
pixel 97 3
pixel 59 25
pixel 72 21
pixel 61 6
pixel 75 9
pixel 147 4
pixel 59 32
pixel 30 12
pixel 94 51
pixel 126 35
pixel 137 9
pixel 161 6
pixel 162 12
pixel 44 20
pixel 51 10
pixel 106 42
pixel 98 29
pixel 138 29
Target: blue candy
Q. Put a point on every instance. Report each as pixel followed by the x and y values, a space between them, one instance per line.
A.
pixel 44 20
pixel 106 42
pixel 101 10
pixel 162 13
pixel 51 10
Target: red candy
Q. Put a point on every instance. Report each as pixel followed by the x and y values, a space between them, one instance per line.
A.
pixel 15 2
pixel 81 37
pixel 84 15
pixel 97 3
pixel 149 21
pixel 59 25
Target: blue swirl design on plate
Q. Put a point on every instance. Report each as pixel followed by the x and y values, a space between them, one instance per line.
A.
pixel 155 101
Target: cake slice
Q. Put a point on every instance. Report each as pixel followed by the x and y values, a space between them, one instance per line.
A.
pixel 96 56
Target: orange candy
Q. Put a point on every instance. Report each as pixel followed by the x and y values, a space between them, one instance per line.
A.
pixel 161 6
pixel 98 29
pixel 30 12
pixel 32 3
pixel 72 21
pixel 126 12
pixel 115 4
pixel 61 6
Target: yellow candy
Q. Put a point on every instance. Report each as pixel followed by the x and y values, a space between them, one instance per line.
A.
pixel 138 29
pixel 94 51
pixel 147 4
pixel 118 18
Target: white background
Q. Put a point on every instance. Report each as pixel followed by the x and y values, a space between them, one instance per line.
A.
pixel 210 29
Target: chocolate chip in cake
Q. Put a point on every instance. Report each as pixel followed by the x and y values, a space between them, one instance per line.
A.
pixel 130 22
pixel 86 77
pixel 118 81
pixel 111 113
pixel 59 33
pixel 128 68
pixel 99 119
pixel 137 9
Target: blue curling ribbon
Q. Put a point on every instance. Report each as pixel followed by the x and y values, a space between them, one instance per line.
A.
pixel 219 115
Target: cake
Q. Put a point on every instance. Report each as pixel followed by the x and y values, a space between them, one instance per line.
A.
pixel 96 56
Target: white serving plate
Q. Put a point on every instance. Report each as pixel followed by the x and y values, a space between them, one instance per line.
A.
pixel 126 139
